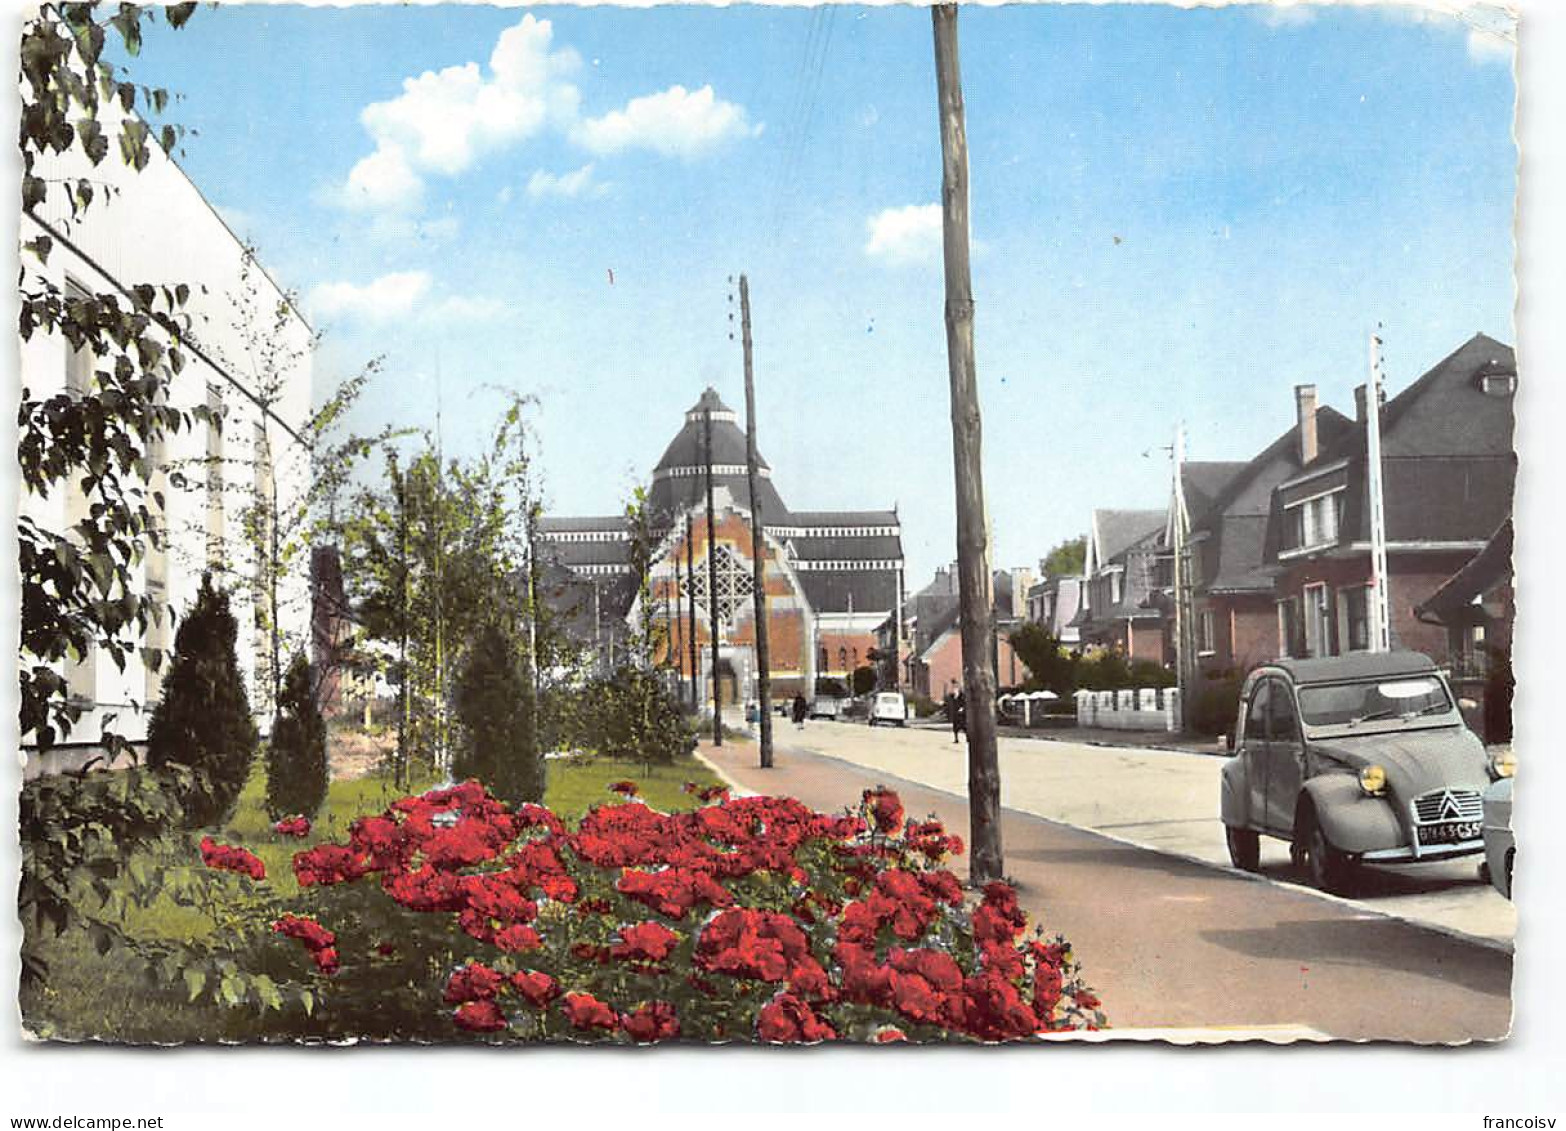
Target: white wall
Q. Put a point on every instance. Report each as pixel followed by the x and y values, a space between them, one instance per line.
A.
pixel 158 229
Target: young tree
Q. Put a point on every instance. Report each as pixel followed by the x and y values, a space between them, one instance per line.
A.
pixel 203 721
pixel 1067 559
pixel 494 707
pixel 79 590
pixel 297 774
pixel 1050 666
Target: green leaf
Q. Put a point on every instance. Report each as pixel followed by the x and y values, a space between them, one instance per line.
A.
pixel 194 981
pixel 267 991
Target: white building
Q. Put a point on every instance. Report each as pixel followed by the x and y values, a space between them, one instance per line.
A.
pixel 155 227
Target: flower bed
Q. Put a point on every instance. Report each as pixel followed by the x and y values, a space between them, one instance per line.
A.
pixel 746 919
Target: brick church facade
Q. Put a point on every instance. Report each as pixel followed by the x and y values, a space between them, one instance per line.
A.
pixel 831 577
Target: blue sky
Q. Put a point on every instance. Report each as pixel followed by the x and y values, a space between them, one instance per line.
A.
pixel 1177 215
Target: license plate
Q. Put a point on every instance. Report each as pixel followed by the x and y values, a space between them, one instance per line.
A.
pixel 1449 832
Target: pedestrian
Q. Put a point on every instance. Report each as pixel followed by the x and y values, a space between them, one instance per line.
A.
pixel 958 716
pixel 800 709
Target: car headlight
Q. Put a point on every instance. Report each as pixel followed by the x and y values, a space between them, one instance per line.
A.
pixel 1503 764
pixel 1373 780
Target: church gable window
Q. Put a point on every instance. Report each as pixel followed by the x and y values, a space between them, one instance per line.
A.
pixel 735 584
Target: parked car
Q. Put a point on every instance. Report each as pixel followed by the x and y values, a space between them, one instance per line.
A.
pixel 889 707
pixel 1354 758
pixel 1500 847
pixel 825 707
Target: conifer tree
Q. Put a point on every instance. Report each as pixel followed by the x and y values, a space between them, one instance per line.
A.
pixel 203 721
pixel 296 767
pixel 498 745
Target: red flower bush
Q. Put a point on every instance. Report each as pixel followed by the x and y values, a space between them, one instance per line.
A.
pixel 228 858
pixel 293 826
pixel 748 918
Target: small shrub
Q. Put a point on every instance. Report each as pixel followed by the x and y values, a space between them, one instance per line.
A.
pixel 1215 705
pixel 499 746
pixel 296 768
pixel 203 721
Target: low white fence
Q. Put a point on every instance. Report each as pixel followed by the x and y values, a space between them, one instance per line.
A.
pixel 1142 708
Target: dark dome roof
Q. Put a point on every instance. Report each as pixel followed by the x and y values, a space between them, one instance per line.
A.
pixel 679 479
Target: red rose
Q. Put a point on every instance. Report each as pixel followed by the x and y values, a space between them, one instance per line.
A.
pixel 479 1017
pixel 584 1011
pixel 228 858
pixel 645 942
pixel 473 982
pixel 537 987
pixel 325 960
pixel 655 1021
pixel 887 1034
pixel 293 826
pixel 517 938
pixel 787 1020
pixel 886 809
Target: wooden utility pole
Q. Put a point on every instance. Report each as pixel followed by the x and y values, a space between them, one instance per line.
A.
pixel 712 582
pixel 975 583
pixel 758 548
pixel 690 585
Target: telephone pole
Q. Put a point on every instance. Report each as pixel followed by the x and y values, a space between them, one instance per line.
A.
pixel 690 586
pixel 975 583
pixel 1380 605
pixel 712 582
pixel 1182 615
pixel 758 548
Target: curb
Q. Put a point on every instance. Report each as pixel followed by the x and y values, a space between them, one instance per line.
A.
pixel 1503 947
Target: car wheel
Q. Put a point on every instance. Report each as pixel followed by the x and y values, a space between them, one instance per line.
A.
pixel 1325 865
pixel 1244 848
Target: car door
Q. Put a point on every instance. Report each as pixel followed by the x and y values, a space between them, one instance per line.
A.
pixel 1253 753
pixel 1285 759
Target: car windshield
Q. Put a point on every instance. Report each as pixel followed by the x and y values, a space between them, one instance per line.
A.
pixel 1349 704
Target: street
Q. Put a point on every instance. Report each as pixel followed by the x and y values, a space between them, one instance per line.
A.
pixel 1114 848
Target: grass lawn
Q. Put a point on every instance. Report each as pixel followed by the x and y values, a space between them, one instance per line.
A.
pixel 99 996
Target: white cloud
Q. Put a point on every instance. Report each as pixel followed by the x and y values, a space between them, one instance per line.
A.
pixel 444 121
pixel 390 296
pixel 544 184
pixel 911 234
pixel 464 308
pixel 674 122
pixel 1287 15
pixel 383 181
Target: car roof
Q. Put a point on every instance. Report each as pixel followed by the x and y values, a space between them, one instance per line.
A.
pixel 1357 665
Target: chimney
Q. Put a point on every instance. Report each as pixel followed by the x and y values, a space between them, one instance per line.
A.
pixel 1362 406
pixel 1305 406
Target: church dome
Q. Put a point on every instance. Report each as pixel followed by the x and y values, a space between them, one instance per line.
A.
pixel 679 479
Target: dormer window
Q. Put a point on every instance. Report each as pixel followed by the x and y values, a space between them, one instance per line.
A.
pixel 1498 384
pixel 1497 379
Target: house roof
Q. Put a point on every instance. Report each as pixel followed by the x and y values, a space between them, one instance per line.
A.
pixel 837 518
pixel 1448 466
pixel 829 591
pixel 849 548
pixel 1116 531
pixel 1239 554
pixel 1205 480
pixel 1458 592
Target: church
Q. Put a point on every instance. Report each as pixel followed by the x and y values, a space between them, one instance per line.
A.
pixel 831 577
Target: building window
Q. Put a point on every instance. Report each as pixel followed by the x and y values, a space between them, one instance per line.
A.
pixel 1114 589
pixel 214 478
pixel 1291 629
pixel 1356 602
pixel 822 663
pixel 1314 522
pixel 1499 384
pixel 1318 635
pixel 735 584
pixel 1205 642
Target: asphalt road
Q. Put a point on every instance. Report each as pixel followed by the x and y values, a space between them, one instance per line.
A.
pixel 1172 943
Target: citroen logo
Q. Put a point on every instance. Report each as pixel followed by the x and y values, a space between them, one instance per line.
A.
pixel 1450 810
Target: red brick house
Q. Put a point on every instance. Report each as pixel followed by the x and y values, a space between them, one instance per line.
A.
pixel 1233 609
pixel 1448 472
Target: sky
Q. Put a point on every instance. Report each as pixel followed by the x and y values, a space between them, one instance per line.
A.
pixel 1178 215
